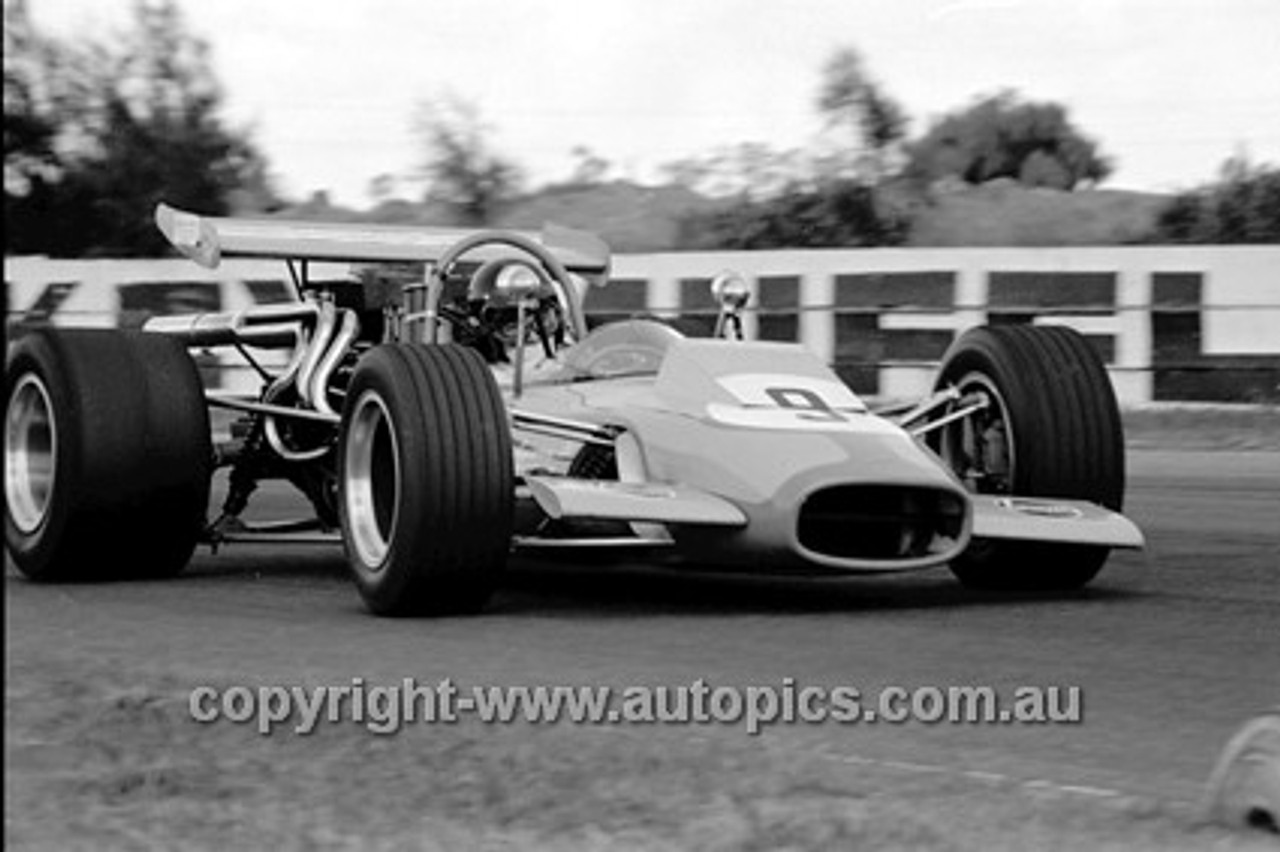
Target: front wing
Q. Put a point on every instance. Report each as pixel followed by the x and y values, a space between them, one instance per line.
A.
pixel 1052 520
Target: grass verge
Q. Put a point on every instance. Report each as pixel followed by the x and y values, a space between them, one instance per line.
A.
pixel 92 764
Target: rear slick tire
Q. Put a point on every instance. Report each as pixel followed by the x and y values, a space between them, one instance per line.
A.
pixel 108 455
pixel 426 483
pixel 1052 430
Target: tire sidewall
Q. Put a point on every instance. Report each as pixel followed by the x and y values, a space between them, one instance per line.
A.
pixel 35 355
pixel 387 581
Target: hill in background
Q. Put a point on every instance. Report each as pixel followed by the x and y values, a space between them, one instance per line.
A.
pixel 630 217
pixel 1004 213
pixel 635 218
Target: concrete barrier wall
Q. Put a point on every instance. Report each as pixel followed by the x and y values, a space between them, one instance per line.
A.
pixel 1172 323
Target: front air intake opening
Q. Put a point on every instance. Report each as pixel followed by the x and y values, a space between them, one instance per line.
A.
pixel 880 522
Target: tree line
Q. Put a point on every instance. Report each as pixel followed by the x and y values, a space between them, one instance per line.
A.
pixel 97 131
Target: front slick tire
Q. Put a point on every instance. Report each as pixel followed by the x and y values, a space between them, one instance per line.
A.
pixel 107 455
pixel 426 484
pixel 1059 435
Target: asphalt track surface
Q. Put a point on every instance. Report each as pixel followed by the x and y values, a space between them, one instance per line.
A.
pixel 1173 647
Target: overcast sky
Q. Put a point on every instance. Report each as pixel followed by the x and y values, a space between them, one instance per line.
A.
pixel 1170 88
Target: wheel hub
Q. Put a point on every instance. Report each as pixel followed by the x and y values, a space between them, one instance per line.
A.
pixel 979 448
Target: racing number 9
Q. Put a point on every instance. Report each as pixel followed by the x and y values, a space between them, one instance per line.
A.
pixel 784 401
pixel 808 404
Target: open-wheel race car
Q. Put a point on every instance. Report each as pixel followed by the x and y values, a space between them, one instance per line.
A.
pixel 440 421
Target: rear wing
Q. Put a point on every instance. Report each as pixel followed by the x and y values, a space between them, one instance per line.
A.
pixel 208 239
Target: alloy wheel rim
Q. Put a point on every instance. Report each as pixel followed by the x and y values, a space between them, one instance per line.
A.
pixel 30 454
pixel 373 480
